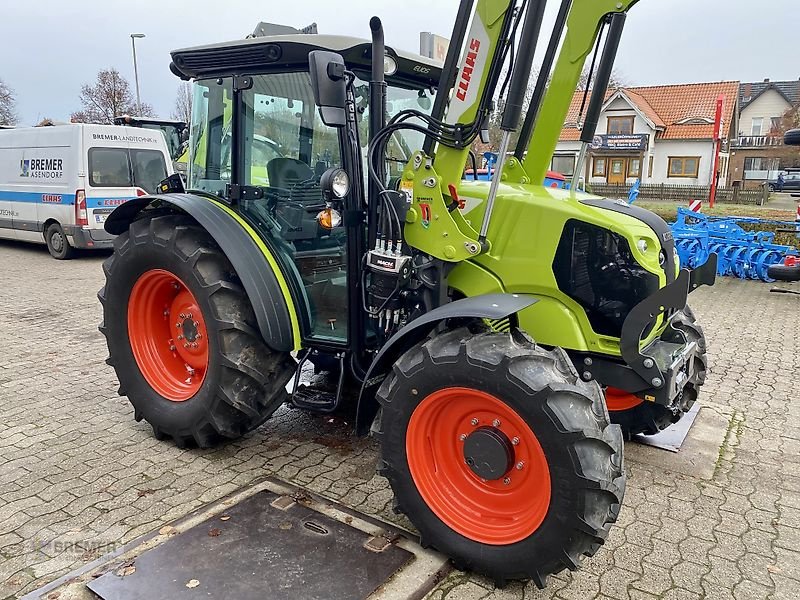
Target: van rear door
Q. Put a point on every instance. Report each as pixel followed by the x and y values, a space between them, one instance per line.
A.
pixel 123 163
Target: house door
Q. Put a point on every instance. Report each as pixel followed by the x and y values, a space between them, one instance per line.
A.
pixel 616 170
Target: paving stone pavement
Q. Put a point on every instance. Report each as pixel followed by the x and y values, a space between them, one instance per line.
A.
pixel 79 478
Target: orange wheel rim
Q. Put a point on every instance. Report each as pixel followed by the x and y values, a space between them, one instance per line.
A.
pixel 168 335
pixel 617 400
pixel 497 511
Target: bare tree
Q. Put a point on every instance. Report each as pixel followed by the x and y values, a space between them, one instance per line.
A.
pixel 617 81
pixel 789 155
pixel 8 105
pixel 109 97
pixel 183 103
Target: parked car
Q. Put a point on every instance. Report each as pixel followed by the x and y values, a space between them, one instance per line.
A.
pixel 791 182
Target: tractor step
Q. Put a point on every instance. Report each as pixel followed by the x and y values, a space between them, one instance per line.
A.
pixel 322 395
pixel 315 399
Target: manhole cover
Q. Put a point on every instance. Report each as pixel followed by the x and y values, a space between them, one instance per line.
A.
pixel 266 546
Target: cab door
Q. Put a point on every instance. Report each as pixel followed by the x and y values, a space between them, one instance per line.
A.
pixel 282 148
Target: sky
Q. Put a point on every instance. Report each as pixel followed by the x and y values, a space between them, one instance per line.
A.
pixel 49 48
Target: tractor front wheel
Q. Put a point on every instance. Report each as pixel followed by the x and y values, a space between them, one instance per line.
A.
pixel 498 453
pixel 182 336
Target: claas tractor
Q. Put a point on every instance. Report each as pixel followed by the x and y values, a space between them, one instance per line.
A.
pixel 475 328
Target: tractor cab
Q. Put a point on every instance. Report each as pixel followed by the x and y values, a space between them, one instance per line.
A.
pixel 257 140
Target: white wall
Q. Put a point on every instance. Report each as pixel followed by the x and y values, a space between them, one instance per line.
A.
pixel 767 105
pixel 618 108
pixel 666 148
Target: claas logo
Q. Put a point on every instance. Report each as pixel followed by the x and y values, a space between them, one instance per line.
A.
pixel 25 168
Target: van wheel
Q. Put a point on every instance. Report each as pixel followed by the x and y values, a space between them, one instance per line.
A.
pixel 57 243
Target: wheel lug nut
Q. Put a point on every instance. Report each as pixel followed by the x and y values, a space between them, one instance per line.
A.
pixel 186 345
pixel 515 441
pixel 183 315
pixel 172 347
pixel 474 422
pixel 180 337
pixel 462 437
pixel 189 316
pixel 496 423
pixel 178 325
pixel 520 464
pixel 507 480
pixel 194 344
pixel 195 323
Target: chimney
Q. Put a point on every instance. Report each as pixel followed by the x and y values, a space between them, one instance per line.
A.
pixel 748 91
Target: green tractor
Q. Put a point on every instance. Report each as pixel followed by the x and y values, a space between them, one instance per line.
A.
pixel 480 322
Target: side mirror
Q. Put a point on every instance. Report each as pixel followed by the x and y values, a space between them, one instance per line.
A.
pixel 328 82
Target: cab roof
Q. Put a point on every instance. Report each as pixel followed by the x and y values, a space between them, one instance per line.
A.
pixel 281 53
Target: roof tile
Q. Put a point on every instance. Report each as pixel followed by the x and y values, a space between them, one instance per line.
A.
pixel 668 105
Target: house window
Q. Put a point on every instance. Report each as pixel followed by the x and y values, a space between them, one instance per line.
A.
pixel 774 124
pixel 683 166
pixel 617 125
pixel 635 167
pixel 599 169
pixel 754 163
pixel 564 164
pixel 758 122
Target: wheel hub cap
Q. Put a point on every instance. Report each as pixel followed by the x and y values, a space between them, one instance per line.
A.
pixel 488 453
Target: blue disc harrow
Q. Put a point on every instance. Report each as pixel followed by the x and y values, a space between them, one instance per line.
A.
pixel 741 253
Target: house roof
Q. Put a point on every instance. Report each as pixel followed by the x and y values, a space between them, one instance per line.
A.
pixel 679 112
pixel 748 92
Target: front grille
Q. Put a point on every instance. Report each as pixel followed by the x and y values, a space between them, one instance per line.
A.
pixel 595 267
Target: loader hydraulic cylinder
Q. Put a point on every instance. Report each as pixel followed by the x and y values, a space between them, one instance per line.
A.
pixel 516 96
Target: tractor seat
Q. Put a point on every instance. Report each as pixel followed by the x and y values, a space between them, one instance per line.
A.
pixel 295 175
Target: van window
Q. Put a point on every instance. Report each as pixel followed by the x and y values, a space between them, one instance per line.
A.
pixel 108 167
pixel 120 167
pixel 148 169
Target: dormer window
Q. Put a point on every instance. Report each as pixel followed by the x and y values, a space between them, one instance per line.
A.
pixel 620 125
pixel 695 121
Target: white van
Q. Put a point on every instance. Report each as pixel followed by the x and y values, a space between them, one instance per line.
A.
pixel 58 184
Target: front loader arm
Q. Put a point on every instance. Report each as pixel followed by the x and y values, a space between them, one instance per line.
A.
pixel 483 46
pixel 433 225
pixel 583 26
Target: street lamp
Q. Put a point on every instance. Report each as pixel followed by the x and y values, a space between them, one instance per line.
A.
pixel 134 36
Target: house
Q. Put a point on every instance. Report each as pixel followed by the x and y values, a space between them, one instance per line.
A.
pixel 658 134
pixel 757 152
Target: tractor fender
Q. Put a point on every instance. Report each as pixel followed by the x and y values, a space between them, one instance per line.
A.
pixel 271 301
pixel 486 306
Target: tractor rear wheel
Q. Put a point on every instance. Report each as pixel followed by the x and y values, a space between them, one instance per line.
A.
pixel 499 455
pixel 635 415
pixel 182 336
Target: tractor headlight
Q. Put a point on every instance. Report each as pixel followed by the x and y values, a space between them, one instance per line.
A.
pixel 642 246
pixel 389 65
pixel 335 183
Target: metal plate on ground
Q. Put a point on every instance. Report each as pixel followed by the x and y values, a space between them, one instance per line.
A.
pixel 267 546
pixel 673 436
pixel 245 545
pixel 711 433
